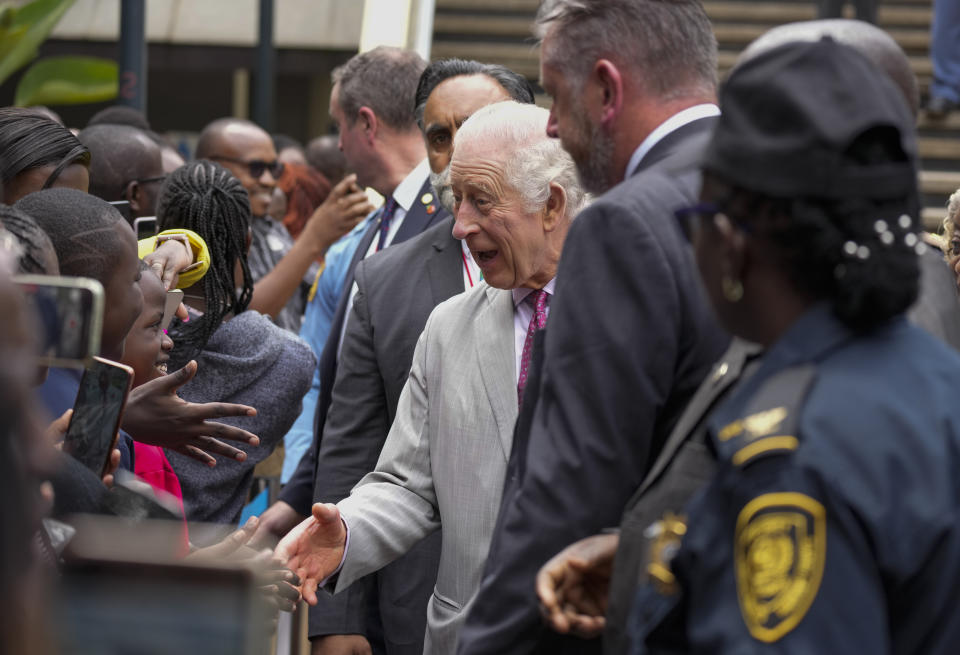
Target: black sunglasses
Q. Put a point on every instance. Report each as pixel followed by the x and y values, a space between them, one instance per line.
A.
pixel 257 166
pixel 691 218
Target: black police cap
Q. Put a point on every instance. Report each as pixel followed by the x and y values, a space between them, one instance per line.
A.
pixel 790 115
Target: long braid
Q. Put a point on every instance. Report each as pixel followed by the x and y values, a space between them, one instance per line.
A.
pixel 205 197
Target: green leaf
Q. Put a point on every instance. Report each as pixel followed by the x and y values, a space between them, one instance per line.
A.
pixel 23 29
pixel 67 81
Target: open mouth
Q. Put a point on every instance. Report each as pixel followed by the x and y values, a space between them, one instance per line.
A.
pixel 162 367
pixel 485 256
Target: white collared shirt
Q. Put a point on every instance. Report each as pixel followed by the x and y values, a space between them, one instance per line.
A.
pixel 672 124
pixel 523 314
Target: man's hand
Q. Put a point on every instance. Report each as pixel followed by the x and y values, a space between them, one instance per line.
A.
pixel 314 548
pixel 112 467
pixel 57 430
pixel 156 415
pixel 573 586
pixel 275 522
pixel 340 645
pixel 168 260
pixel 340 212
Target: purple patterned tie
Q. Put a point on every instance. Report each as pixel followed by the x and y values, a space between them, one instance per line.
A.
pixel 537 322
pixel 389 208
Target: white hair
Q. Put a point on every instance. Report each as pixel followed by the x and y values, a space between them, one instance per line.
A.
pixel 532 160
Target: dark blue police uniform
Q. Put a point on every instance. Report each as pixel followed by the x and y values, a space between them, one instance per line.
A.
pixel 832 524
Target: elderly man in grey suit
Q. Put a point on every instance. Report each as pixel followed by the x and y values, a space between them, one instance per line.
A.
pixel 444 461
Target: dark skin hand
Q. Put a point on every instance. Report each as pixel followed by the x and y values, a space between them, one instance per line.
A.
pixel 156 415
pixel 58 430
pixel 277 584
pixel 573 586
pixel 167 262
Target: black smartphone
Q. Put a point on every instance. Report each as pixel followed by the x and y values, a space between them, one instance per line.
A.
pixel 145 227
pixel 70 313
pixel 123 206
pixel 92 432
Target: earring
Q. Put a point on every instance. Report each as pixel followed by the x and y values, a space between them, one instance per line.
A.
pixel 732 289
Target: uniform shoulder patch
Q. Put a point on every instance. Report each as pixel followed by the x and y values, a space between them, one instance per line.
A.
pixel 779 553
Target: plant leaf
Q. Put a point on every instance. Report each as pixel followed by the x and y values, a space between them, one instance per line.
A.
pixel 23 29
pixel 67 81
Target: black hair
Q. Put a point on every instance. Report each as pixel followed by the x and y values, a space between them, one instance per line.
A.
pixel 858 253
pixel 119 156
pixel 30 140
pixel 205 197
pixel 80 226
pixel 282 141
pixel 443 69
pixel 36 247
pixel 120 115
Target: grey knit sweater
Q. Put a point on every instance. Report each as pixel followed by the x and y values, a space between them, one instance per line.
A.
pixel 250 361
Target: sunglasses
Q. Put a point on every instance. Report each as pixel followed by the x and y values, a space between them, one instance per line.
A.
pixel 691 218
pixel 257 166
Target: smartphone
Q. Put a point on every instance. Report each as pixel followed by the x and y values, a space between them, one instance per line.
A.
pixel 92 433
pixel 70 313
pixel 174 298
pixel 145 227
pixel 123 206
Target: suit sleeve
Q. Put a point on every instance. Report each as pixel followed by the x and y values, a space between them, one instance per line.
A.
pixel 610 352
pixel 356 428
pixel 358 420
pixel 395 506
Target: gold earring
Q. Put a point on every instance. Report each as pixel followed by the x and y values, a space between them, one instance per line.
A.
pixel 732 289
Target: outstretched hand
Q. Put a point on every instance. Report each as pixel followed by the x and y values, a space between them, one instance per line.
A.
pixel 314 548
pixel 156 415
pixel 344 207
pixel 573 586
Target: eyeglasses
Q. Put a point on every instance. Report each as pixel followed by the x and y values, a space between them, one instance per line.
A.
pixel 257 166
pixel 691 217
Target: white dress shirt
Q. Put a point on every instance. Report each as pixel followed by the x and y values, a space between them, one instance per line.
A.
pixel 672 124
pixel 523 314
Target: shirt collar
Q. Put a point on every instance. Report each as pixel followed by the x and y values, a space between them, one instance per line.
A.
pixel 406 192
pixel 672 124
pixel 520 293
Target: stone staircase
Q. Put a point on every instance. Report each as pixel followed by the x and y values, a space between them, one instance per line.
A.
pixel 499 31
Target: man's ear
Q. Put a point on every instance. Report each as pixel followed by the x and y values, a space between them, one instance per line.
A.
pixel 132 194
pixel 607 77
pixel 368 123
pixel 556 208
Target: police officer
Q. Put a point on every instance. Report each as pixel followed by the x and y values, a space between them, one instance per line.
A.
pixel 831 523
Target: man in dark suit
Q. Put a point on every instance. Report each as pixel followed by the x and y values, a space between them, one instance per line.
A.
pixel 631 338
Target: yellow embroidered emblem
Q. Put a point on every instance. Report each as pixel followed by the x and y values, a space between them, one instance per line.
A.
pixel 779 552
pixel 764 423
pixel 665 537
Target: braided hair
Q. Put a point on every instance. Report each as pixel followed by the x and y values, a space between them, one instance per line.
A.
pixel 37 256
pixel 30 140
pixel 205 197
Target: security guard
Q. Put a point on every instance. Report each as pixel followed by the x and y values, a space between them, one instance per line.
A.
pixel 832 523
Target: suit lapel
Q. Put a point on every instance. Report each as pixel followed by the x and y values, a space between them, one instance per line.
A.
pixel 723 375
pixel 444 267
pixel 421 215
pixel 678 142
pixel 497 362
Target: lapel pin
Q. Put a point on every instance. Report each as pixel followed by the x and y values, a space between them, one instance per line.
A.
pixel 426 198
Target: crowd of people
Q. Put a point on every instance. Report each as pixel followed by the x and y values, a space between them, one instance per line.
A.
pixel 661 369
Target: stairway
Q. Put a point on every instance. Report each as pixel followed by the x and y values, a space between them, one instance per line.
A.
pixel 498 31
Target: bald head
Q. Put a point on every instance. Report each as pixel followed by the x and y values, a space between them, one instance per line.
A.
pixel 125 164
pixel 869 40
pixel 244 148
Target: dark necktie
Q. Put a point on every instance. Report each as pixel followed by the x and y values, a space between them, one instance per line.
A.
pixel 386 216
pixel 537 322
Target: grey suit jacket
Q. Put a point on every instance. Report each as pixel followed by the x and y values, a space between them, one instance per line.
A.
pixel 444 461
pixel 397 290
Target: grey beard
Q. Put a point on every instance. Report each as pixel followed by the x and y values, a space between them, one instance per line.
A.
pixel 594 173
pixel 441 184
